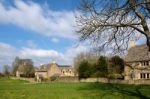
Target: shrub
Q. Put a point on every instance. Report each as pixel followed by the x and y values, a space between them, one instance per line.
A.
pixel 42 78
pixel 1 75
pixel 54 77
pixel 115 76
pixel 84 69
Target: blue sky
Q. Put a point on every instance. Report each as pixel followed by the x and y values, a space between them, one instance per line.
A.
pixel 42 30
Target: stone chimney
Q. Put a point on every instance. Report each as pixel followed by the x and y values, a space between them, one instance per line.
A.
pixel 132 43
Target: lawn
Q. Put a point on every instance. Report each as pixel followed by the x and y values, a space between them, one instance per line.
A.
pixel 17 89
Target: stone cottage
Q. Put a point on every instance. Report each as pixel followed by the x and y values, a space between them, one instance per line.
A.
pixel 137 63
pixel 48 70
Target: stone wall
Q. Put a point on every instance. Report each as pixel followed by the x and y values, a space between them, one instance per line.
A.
pixel 106 80
pixel 43 74
pixel 103 80
pixel 68 79
pixel 31 80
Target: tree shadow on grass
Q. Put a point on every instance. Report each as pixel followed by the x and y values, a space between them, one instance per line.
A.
pixel 136 91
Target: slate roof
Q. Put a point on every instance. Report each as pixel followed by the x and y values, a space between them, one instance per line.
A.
pixel 45 67
pixel 138 53
pixel 64 66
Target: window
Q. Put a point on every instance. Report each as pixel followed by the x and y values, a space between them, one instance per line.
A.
pixel 145 63
pixel 143 75
pixel 147 75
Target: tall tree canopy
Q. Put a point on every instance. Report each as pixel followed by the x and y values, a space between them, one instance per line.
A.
pixel 113 23
pixel 6 70
pixel 101 67
pixel 116 65
pixel 89 56
pixel 15 65
pixel 24 66
pixel 84 69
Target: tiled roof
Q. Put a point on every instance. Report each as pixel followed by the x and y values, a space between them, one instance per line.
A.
pixel 45 67
pixel 138 53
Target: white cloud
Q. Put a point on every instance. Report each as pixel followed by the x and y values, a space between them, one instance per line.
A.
pixel 5 49
pixel 42 20
pixel 73 51
pixel 39 56
pixel 28 52
pixel 34 17
pixel 55 40
pixel 7 54
pixel 42 55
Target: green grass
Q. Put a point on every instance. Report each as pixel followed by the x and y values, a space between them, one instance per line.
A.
pixel 17 89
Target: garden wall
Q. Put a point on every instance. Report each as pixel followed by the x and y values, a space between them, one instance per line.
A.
pixel 103 80
pixel 67 79
pixel 31 80
pixel 106 80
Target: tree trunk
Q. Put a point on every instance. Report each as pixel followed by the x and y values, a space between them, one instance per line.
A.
pixel 148 41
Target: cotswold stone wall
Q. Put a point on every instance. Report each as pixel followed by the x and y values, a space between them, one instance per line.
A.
pixel 31 80
pixel 106 80
pixel 68 79
pixel 103 80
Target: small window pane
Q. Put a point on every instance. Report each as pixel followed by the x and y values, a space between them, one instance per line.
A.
pixel 147 63
pixel 143 75
pixel 147 75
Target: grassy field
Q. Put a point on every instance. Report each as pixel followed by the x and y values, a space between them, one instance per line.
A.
pixel 17 89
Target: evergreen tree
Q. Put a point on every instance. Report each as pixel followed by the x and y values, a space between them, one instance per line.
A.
pixel 116 65
pixel 101 67
pixel 84 69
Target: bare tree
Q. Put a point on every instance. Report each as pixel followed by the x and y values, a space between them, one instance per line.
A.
pixel 6 70
pixel 26 67
pixel 112 24
pixel 90 57
pixel 15 65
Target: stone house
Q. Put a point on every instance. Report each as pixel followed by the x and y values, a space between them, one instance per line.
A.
pixel 51 69
pixel 137 63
